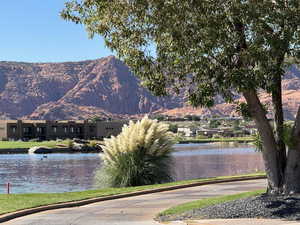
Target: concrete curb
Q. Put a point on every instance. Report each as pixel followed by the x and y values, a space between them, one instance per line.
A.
pixel 25 212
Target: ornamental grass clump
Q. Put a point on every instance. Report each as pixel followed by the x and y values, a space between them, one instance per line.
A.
pixel 139 155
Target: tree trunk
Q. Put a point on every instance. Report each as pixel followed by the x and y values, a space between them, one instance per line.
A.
pixel 292 171
pixel 278 126
pixel 270 148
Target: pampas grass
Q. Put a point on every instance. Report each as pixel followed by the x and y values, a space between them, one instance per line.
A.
pixel 139 155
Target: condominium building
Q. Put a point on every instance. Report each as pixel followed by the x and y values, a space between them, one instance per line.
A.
pixel 50 130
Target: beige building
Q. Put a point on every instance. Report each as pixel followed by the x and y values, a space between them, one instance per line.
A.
pixel 49 130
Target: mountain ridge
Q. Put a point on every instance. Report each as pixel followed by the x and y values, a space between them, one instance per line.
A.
pixel 103 87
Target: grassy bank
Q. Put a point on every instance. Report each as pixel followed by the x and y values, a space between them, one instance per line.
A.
pixel 15 202
pixel 52 144
pixel 182 208
pixel 29 144
pixel 206 140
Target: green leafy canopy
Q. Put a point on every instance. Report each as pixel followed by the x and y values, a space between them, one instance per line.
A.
pixel 209 47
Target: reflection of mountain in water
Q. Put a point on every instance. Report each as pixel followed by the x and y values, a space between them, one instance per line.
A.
pixel 201 166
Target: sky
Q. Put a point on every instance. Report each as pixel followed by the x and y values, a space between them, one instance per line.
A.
pixel 33 31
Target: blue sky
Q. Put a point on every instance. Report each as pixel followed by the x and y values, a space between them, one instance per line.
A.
pixel 32 31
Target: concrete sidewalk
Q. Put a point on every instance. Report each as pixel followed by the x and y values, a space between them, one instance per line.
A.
pixel 140 210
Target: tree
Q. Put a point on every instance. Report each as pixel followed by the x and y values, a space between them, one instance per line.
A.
pixel 210 48
pixel 236 125
pixel 214 123
pixel 173 127
pixel 97 118
pixel 192 118
pixel 159 117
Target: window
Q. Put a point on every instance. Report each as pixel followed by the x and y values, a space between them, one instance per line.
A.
pixel 79 130
pixel 66 129
pixel 26 130
pixel 54 128
pixel 14 129
pixel 72 129
pixel 41 130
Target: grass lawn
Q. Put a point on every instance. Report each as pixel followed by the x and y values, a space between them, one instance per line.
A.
pixel 15 202
pixel 29 144
pixel 179 209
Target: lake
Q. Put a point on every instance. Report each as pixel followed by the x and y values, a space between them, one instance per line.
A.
pixel 30 173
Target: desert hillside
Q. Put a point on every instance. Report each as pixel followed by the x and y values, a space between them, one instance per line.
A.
pixel 73 90
pixel 104 87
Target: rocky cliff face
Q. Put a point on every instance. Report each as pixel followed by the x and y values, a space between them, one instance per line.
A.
pixel 73 90
pixel 103 87
pixel 291 100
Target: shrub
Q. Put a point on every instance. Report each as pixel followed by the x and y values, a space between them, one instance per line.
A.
pixel 217 136
pixel 139 155
pixel 173 128
pixel 201 136
pixel 70 144
pixel 287 137
pixel 214 124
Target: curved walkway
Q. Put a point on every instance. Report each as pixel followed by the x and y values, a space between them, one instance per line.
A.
pixel 141 210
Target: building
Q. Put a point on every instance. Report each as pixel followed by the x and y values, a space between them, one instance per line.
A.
pixel 50 130
pixel 106 129
pixel 187 131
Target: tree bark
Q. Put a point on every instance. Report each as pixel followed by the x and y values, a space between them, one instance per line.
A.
pixel 278 126
pixel 270 148
pixel 292 171
pixel 274 153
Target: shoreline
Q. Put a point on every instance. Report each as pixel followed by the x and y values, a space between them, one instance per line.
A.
pixel 54 150
pixel 199 141
pixel 71 151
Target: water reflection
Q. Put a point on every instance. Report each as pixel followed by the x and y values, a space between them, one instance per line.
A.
pixel 56 173
pixel 75 172
pixel 210 160
pixel 191 167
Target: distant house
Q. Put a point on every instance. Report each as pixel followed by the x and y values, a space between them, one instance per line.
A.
pixel 186 131
pixel 223 132
pixel 50 130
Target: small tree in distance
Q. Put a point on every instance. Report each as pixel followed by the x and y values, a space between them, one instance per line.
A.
pixel 214 123
pixel 210 48
pixel 173 128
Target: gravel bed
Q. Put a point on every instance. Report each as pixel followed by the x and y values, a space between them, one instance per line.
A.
pixel 262 206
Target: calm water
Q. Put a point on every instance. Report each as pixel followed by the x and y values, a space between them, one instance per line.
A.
pixel 29 173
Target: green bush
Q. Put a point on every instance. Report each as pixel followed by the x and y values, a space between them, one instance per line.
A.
pixel 201 137
pixel 139 155
pixel 94 143
pixel 173 128
pixel 178 138
pixel 70 144
pixel 287 137
pixel 214 124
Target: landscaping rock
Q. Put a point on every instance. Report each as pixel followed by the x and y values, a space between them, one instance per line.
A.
pixel 39 150
pixel 263 206
pixel 78 147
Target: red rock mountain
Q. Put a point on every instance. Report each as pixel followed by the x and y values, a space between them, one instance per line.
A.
pixel 103 87
pixel 74 90
pixel 290 98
